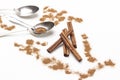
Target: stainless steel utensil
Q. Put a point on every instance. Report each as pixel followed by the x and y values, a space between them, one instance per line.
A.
pixel 24 11
pixel 37 30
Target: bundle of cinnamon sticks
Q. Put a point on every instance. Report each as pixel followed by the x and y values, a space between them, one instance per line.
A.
pixel 69 45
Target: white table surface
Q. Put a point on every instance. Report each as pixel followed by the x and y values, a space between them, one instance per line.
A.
pixel 101 24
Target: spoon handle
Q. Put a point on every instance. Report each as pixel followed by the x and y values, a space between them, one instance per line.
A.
pixel 17 21
pixel 9 33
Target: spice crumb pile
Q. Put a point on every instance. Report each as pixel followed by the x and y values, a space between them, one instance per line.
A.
pixel 5 26
pixel 57 17
pixel 87 49
pixel 29 47
pixel 56 64
pixel 68 40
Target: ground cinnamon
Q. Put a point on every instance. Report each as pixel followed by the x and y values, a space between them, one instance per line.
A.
pixel 29 48
pixel 5 26
pixel 57 16
pixel 109 63
pixel 40 30
pixel 87 49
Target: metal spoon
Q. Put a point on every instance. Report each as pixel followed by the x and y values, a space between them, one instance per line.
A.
pixel 37 30
pixel 24 11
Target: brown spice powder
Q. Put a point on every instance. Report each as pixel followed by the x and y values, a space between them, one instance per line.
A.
pixel 109 63
pixel 40 30
pixel 100 66
pixel 87 49
pixel 91 72
pixel 5 26
pixel 83 76
pixel 57 17
pixel 29 48
pixel 29 42
pixel 55 64
pixel 46 60
pixel 44 44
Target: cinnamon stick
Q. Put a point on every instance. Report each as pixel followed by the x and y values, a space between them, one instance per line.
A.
pixel 70 46
pixel 72 35
pixel 55 45
pixel 65 48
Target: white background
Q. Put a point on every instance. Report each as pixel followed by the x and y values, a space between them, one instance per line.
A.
pixel 101 24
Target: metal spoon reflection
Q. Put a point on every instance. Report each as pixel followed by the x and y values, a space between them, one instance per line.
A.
pixel 24 11
pixel 37 30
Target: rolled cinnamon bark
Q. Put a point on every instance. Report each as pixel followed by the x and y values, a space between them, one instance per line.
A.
pixel 66 51
pixel 70 46
pixel 56 44
pixel 72 35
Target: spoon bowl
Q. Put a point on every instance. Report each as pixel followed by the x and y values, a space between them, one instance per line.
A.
pixel 38 29
pixel 24 11
pixel 41 28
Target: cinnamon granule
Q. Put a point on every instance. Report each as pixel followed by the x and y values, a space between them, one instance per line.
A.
pixel 57 16
pixel 52 10
pixel 38 43
pixel 84 36
pixel 91 59
pixel 0 20
pixel 40 30
pixel 44 43
pixel 71 18
pixel 100 66
pixel 87 49
pixel 5 26
pixel 46 60
pixel 91 72
pixel 45 8
pixel 29 42
pixel 57 66
pixel 29 48
pixel 83 76
pixel 109 63
pixel 17 45
pixel 68 71
pixel 56 22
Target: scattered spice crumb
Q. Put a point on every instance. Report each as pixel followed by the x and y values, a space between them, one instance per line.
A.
pixel 45 7
pixel 83 76
pixel 5 26
pixel 68 71
pixel 84 36
pixel 38 43
pixel 40 30
pixel 17 45
pixel 57 16
pixel 91 59
pixel 109 63
pixel 87 49
pixel 91 72
pixel 44 43
pixel 29 42
pixel 29 48
pixel 46 60
pixel 55 64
